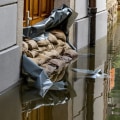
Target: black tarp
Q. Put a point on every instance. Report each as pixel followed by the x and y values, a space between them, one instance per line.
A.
pixel 61 18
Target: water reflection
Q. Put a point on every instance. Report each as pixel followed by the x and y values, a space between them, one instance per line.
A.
pixel 87 78
pixel 91 68
pixel 113 55
pixel 90 73
pixel 10 104
pixel 94 78
pixel 32 100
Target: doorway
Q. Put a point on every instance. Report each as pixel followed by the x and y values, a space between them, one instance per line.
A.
pixel 36 10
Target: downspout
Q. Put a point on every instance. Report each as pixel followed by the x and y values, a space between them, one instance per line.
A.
pixel 92 10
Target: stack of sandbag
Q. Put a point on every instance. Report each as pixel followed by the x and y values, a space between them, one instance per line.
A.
pixel 51 52
pixel 112 6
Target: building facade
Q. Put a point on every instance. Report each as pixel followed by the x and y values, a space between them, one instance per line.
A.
pixel 11 26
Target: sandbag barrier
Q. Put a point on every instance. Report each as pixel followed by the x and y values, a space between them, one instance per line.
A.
pixel 47 52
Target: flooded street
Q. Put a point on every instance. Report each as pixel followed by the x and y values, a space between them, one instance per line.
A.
pixel 60 60
pixel 114 90
pixel 97 96
pixel 93 85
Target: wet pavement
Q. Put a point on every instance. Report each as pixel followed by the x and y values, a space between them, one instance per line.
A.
pixel 91 92
pixel 90 80
pixel 92 88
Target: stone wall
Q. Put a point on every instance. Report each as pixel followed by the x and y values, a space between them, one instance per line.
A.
pixel 112 6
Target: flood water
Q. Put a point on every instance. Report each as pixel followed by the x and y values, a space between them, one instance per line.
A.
pixel 98 97
pixel 92 90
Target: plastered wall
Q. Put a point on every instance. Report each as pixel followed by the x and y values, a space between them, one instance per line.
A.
pixel 9 48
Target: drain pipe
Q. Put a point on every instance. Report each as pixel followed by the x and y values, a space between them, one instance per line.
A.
pixel 92 10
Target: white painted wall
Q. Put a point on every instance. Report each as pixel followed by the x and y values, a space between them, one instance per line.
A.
pixel 82 5
pixel 8 22
pixel 101 24
pixel 81 8
pixel 9 50
pixel 81 32
pixel 10 67
pixel 3 2
pixel 101 5
pixel 82 22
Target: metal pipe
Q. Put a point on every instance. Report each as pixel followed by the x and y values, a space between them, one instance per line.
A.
pixel 90 87
pixel 92 10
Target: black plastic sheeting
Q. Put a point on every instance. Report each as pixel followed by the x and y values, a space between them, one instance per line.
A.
pixel 61 18
pixel 31 100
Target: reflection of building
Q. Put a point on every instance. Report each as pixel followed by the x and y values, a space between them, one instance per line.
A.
pixel 112 78
pixel 113 57
pixel 114 98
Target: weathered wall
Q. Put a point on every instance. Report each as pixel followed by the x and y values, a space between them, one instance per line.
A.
pixel 58 3
pixel 9 49
pixel 82 22
pixel 10 56
pixel 112 6
pixel 20 23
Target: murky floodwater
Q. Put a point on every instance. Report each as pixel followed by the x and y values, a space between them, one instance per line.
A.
pixel 94 84
pixel 92 88
pixel 113 109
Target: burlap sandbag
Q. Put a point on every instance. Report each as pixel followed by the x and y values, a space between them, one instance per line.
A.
pixel 32 44
pixel 59 34
pixel 52 38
